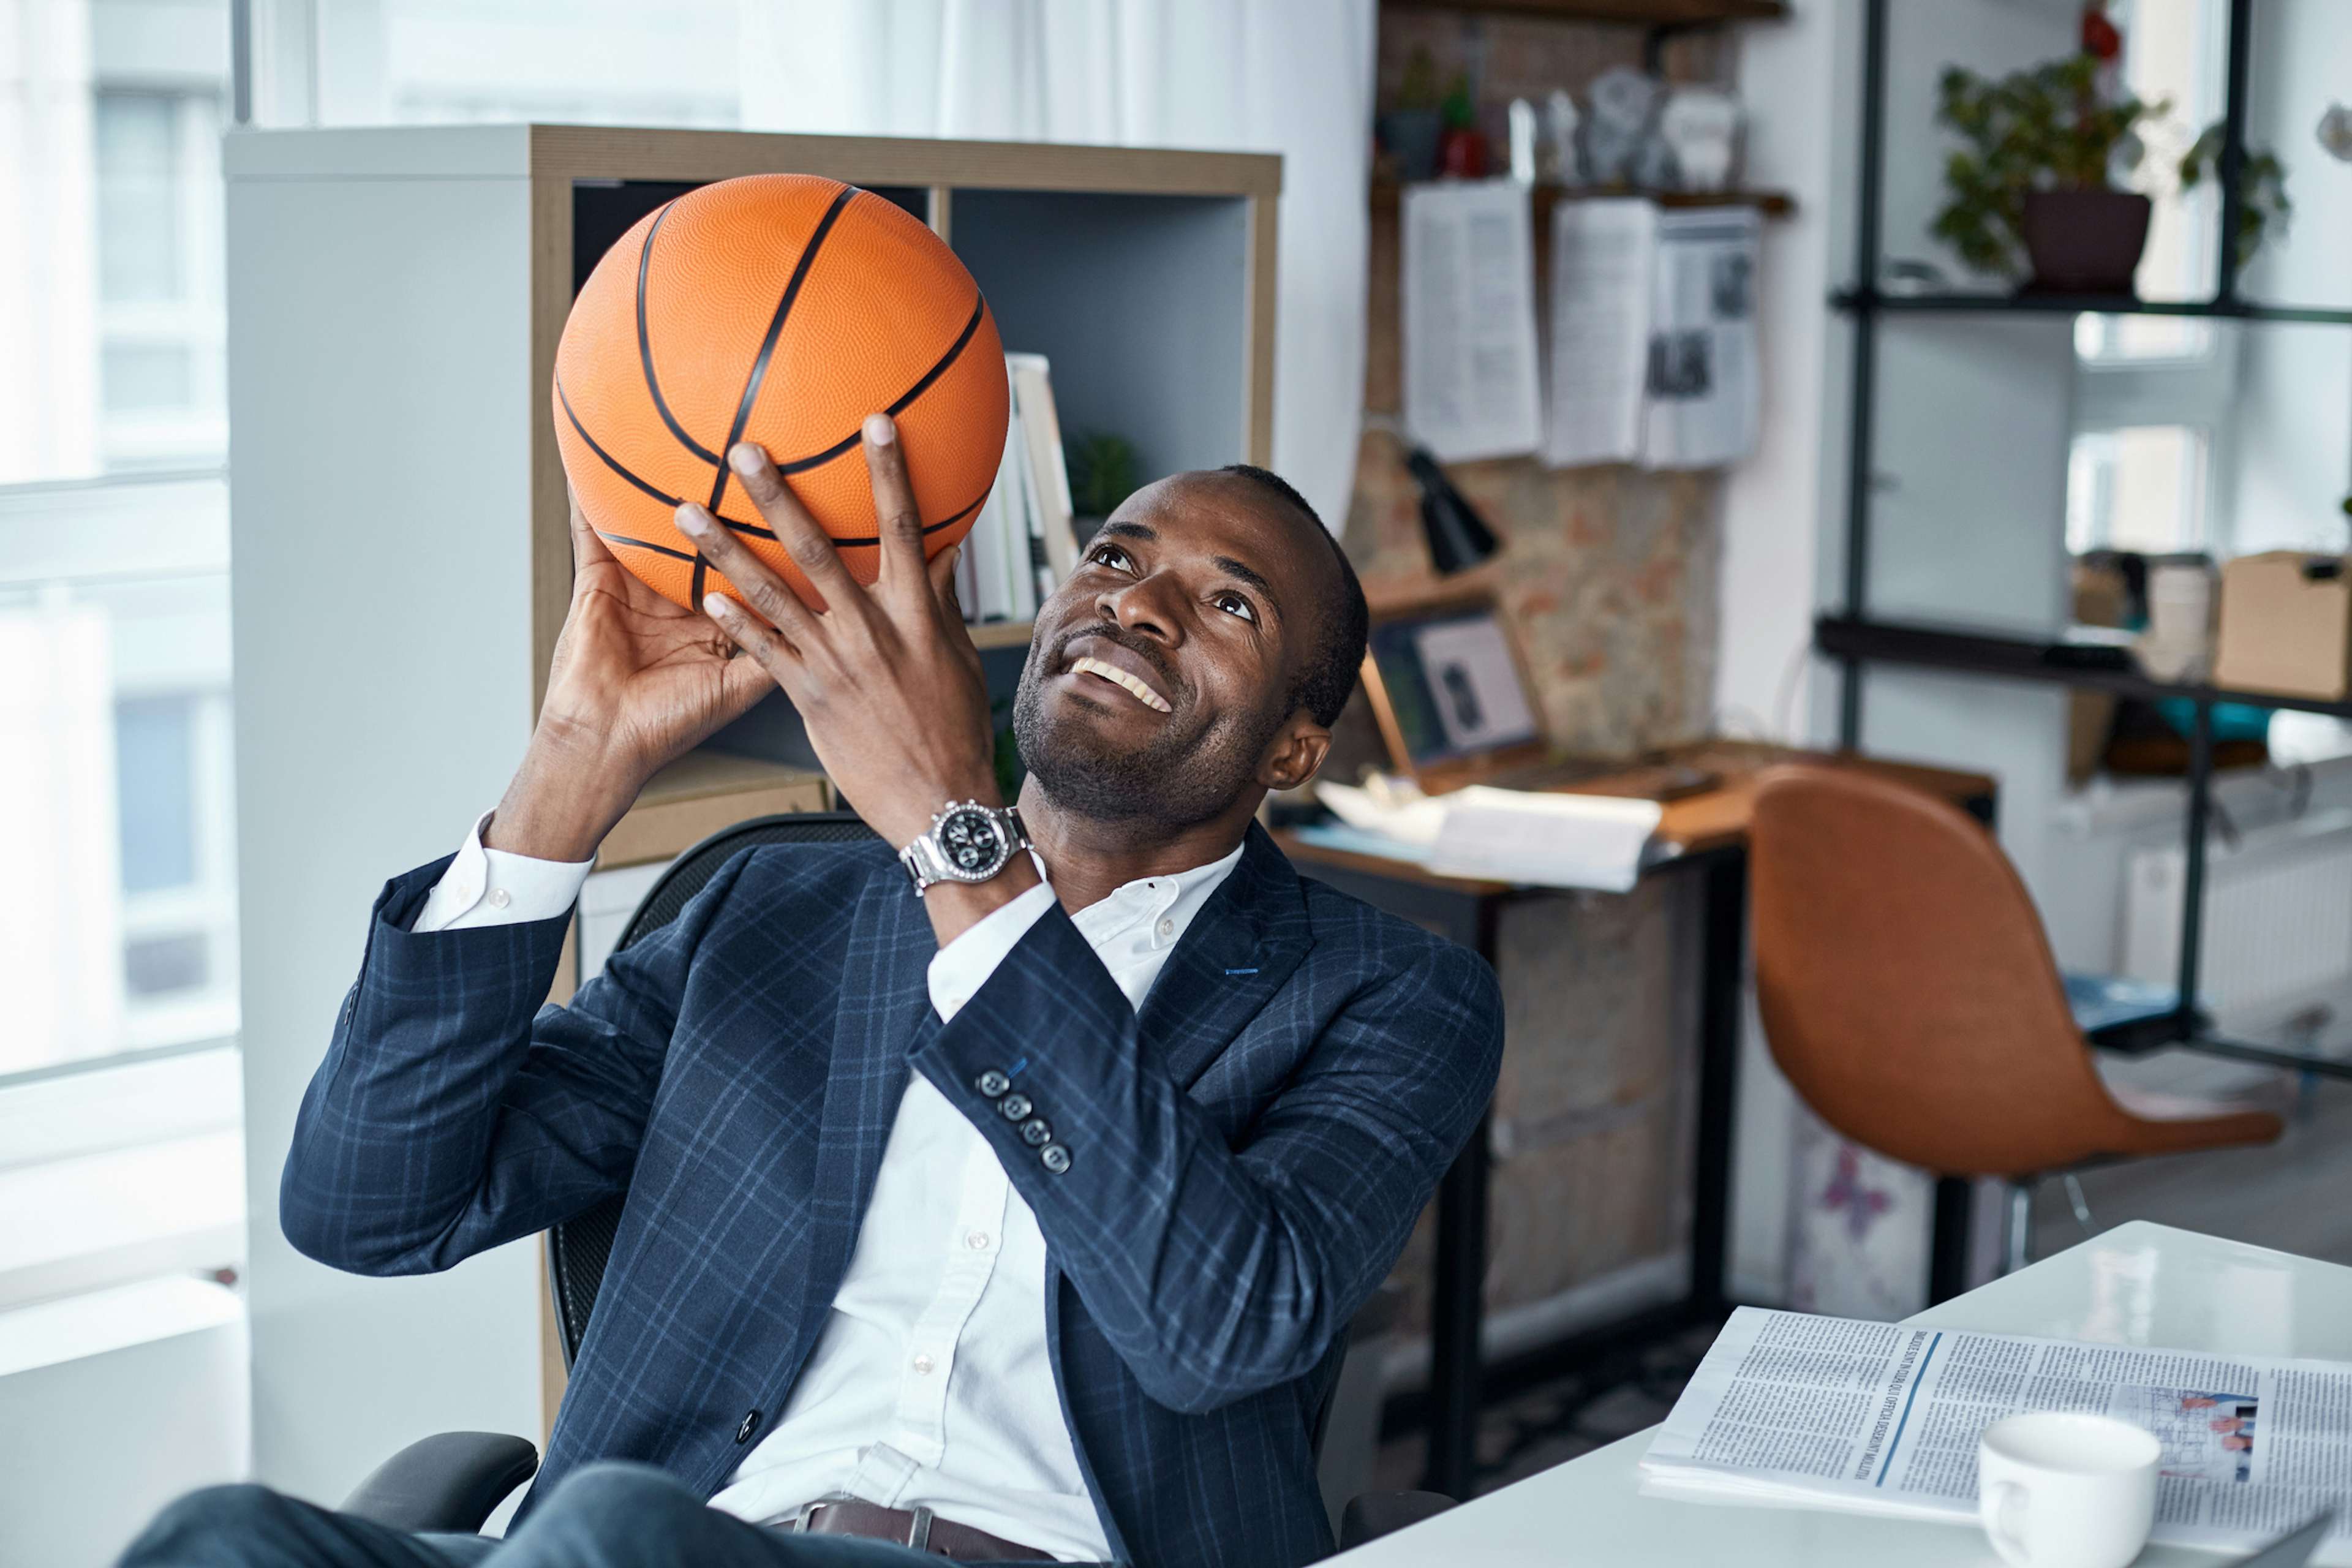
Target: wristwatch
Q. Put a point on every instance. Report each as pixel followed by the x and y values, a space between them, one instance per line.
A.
pixel 968 843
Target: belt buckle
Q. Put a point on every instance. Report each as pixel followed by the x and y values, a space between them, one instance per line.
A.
pixel 797 1521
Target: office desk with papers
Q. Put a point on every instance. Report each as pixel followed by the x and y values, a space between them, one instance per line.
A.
pixel 2139 1285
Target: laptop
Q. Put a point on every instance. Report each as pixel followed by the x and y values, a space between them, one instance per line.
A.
pixel 1449 691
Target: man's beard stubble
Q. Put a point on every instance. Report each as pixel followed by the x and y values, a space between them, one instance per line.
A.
pixel 1181 776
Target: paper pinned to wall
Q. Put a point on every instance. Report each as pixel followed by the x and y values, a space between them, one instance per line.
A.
pixel 1603 254
pixel 1470 376
pixel 1703 396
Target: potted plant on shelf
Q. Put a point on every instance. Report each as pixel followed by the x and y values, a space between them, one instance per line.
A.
pixel 2034 180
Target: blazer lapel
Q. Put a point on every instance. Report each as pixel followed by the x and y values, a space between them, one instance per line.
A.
pixel 884 998
pixel 1240 950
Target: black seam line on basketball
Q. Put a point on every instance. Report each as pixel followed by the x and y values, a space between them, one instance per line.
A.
pixel 755 529
pixel 623 539
pixel 979 304
pixel 948 522
pixel 645 345
pixel 701 571
pixel 776 329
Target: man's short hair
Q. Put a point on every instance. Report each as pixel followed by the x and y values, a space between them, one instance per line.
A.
pixel 1330 677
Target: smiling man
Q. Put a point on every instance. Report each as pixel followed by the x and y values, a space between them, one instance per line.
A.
pixel 1004 1198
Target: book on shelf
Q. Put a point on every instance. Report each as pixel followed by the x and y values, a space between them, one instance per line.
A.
pixel 1792 1411
pixel 1022 544
pixel 1033 402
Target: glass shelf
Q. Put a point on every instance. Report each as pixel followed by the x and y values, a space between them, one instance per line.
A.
pixel 1863 301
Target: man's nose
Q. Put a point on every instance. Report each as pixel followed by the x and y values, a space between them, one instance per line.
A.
pixel 1143 607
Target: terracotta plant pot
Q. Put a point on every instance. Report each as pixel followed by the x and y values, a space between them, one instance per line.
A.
pixel 2083 241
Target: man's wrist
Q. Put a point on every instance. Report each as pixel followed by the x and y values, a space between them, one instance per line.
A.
pixel 911 813
pixel 956 907
pixel 560 806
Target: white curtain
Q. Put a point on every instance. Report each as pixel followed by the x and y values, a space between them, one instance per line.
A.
pixel 1293 77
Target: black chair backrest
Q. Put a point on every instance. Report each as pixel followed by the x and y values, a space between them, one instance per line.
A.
pixel 578 1248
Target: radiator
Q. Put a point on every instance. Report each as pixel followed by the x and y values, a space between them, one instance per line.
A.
pixel 2278 917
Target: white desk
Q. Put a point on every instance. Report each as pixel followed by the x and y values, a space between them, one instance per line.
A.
pixel 2138 1284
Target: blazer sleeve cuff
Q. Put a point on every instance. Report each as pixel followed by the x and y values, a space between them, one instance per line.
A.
pixel 1036 1059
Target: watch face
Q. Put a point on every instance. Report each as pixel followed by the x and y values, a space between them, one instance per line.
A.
pixel 971 840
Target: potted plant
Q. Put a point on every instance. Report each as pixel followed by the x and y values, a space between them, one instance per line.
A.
pixel 2031 188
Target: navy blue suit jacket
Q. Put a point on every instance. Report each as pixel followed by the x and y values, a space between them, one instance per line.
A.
pixel 1247 1155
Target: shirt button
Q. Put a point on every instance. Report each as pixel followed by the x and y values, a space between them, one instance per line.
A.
pixel 500 898
pixel 923 1364
pixel 1013 1106
pixel 1036 1130
pixel 1056 1158
pixel 992 1083
pixel 1167 929
pixel 978 1240
pixel 751 1424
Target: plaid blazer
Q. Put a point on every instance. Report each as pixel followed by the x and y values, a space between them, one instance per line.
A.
pixel 1245 1156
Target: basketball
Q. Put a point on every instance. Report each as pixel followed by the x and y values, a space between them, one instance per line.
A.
pixel 781 309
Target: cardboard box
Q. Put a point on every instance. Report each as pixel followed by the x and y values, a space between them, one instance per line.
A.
pixel 2286 625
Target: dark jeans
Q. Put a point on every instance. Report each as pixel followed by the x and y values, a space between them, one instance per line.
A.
pixel 601 1516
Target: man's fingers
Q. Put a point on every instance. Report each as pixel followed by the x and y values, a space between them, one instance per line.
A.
pixel 942 574
pixel 761 587
pixel 899 519
pixel 760 645
pixel 587 550
pixel 808 544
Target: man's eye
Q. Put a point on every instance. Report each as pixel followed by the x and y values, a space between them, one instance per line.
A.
pixel 1234 605
pixel 1110 555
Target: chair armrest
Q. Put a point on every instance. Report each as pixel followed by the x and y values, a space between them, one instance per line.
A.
pixel 1376 1514
pixel 450 1481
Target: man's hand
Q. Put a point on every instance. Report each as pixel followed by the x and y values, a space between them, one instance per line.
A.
pixel 886 679
pixel 636 682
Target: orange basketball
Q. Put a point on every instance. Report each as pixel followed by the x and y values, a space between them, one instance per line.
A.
pixel 781 309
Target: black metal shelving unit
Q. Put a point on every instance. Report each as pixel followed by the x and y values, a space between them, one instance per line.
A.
pixel 1857 641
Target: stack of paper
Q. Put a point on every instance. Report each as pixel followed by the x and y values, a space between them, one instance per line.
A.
pixel 1021 545
pixel 1546 841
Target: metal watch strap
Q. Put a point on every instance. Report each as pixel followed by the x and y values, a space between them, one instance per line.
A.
pixel 927 865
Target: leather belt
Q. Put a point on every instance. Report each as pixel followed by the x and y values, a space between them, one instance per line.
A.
pixel 918 1528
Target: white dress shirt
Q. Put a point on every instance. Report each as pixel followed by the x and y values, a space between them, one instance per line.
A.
pixel 929 1384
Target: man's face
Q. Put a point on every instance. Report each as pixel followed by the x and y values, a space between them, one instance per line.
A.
pixel 1161 678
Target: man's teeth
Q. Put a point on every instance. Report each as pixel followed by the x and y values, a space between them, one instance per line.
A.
pixel 1117 677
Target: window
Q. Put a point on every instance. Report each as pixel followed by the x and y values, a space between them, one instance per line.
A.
pixel 114 737
pixel 2153 393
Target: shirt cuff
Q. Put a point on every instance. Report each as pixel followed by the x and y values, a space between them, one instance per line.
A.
pixel 960 969
pixel 484 887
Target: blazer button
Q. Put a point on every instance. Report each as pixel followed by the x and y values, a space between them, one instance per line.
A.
pixel 751 1424
pixel 1056 1159
pixel 1013 1106
pixel 993 1084
pixel 1036 1130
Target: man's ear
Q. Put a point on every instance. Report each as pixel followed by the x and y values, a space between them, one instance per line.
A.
pixel 1296 753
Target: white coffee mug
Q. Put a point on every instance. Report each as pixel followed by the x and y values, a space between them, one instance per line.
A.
pixel 2062 1490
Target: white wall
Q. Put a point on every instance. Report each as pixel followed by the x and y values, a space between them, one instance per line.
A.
pixel 379 382
pixel 115 1403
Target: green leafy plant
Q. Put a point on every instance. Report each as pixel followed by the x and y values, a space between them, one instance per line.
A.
pixel 1104 471
pixel 2262 188
pixel 2043 129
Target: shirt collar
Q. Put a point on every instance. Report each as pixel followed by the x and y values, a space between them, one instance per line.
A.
pixel 1157 910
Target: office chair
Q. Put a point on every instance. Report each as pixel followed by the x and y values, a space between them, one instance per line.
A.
pixel 1909 994
pixel 453 1481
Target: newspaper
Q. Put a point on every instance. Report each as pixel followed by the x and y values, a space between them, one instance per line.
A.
pixel 1883 1418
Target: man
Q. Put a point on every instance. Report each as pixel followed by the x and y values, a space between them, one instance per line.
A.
pixel 1022 1219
